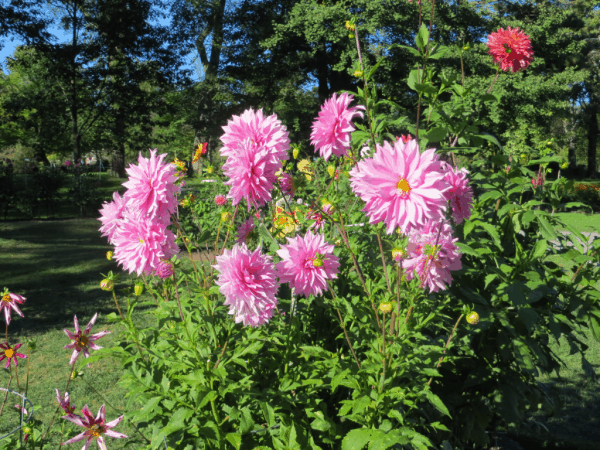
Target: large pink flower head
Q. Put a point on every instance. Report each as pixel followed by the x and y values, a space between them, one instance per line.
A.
pixel 511 49
pixel 141 243
pixel 111 216
pixel 95 428
pixel 460 193
pixel 151 187
pixel 251 174
pixel 432 262
pixel 307 263
pixel 267 132
pixel 401 186
pixel 9 302
pixel 331 131
pixel 248 281
pixel 83 341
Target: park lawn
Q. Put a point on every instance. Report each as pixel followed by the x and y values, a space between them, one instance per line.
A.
pixel 57 265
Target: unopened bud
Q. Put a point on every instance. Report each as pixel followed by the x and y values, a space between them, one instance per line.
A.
pixel 138 289
pixel 473 318
pixel 225 216
pixel 109 255
pixel 296 152
pixel 358 73
pixel 107 285
pixel 331 170
pixel 350 36
pixel 385 307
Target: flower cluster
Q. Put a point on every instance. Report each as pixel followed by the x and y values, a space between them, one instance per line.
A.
pixel 136 224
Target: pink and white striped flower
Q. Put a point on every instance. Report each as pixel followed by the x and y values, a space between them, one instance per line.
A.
pixel 95 428
pixel 82 340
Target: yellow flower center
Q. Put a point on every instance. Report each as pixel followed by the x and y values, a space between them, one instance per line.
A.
pixel 6 298
pixel 96 430
pixel 141 241
pixel 9 353
pixel 403 187
pixel 82 340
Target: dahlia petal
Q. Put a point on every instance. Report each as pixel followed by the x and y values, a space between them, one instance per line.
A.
pixel 79 437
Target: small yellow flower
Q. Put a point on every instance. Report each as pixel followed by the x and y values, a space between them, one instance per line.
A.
pixel 350 36
pixel 349 26
pixel 385 307
pixel 225 217
pixel 473 318
pixel 209 170
pixel 296 152
pixel 107 285
pixel 564 165
pixel 331 171
pixel 358 73
pixel 109 255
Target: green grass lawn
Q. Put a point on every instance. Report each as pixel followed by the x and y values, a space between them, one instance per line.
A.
pixel 57 264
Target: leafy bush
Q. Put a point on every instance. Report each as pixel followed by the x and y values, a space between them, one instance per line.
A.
pixel 84 193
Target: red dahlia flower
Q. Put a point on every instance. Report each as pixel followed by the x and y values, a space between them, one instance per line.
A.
pixel 510 48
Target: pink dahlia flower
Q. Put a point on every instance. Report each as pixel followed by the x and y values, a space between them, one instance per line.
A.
pixel 286 183
pixel 95 429
pixel 151 187
pixel 82 340
pixel 460 193
pixel 65 403
pixel 9 301
pixel 245 229
pixel 331 131
pixel 511 49
pixel 401 186
pixel 431 262
pixel 111 216
pixel 251 174
pixel 220 200
pixel 267 132
pixel 248 281
pixel 141 243
pixel 10 353
pixel 307 263
pixel 165 269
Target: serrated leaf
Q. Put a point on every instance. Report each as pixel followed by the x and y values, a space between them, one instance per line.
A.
pixel 234 439
pixel 337 379
pixel 436 134
pixel 422 37
pixel 539 249
pixel 357 439
pixel 437 403
pixel 546 229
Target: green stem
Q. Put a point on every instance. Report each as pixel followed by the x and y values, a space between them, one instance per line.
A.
pixel 130 322
pixel 446 347
pixel 289 332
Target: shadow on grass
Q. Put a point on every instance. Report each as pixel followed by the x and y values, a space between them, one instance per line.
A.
pixel 57 266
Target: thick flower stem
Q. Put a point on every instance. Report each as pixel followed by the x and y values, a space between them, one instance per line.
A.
pixel 148 289
pixel 383 352
pixel 387 280
pixel 130 323
pixel 343 326
pixel 446 347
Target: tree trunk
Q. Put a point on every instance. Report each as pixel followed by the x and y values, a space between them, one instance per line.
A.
pixel 117 166
pixel 75 129
pixel 571 136
pixel 592 136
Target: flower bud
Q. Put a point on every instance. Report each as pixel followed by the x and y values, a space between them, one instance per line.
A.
pixel 225 216
pixel 349 26
pixel 473 318
pixel 296 152
pixel 109 255
pixel 466 47
pixel 397 254
pixel 138 289
pixel 350 36
pixel 385 307
pixel 209 170
pixel 27 430
pixel 358 73
pixel 107 285
pixel 564 165
pixel 331 170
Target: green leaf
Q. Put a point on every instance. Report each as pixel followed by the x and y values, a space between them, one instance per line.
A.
pixel 465 249
pixel 436 134
pixel 386 440
pixel 335 381
pixel 268 413
pixel 413 79
pixel 539 249
pixel 595 327
pixel 438 51
pixel 234 439
pixel 357 439
pixel 142 414
pixel 545 228
pixel 490 138
pixel 437 402
pixel 529 317
pixel 491 230
pixel 422 37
